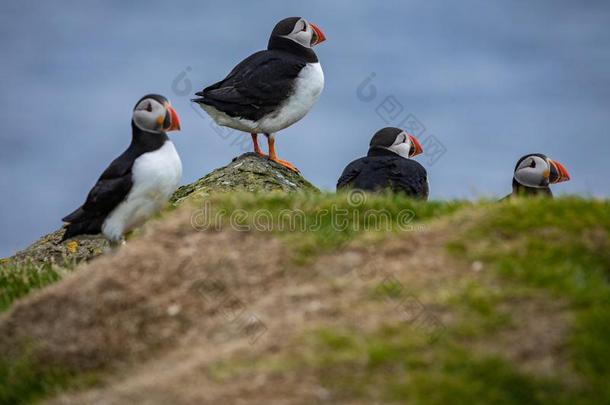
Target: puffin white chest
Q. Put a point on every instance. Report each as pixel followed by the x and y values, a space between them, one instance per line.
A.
pixel 155 176
pixel 308 86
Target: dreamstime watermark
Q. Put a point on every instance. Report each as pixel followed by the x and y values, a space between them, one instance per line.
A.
pixel 182 86
pixel 393 113
pixel 340 218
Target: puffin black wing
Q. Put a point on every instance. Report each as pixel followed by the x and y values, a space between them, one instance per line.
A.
pixel 256 86
pixel 110 190
pixel 407 176
pixel 377 173
pixel 350 173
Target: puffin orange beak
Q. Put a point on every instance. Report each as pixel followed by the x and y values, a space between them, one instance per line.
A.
pixel 318 35
pixel 417 149
pixel 174 121
pixel 558 172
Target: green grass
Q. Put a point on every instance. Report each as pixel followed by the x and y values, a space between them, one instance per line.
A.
pixel 561 247
pixel 397 363
pixel 19 279
pixel 25 380
pixel 319 222
pixel 480 310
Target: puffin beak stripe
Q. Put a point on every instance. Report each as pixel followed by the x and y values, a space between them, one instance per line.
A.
pixel 174 121
pixel 319 35
pixel 416 146
pixel 558 172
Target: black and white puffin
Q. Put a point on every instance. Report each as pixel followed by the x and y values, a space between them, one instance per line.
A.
pixel 387 166
pixel 271 89
pixel 139 182
pixel 534 173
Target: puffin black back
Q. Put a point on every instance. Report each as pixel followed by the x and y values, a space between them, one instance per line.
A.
pixel 387 166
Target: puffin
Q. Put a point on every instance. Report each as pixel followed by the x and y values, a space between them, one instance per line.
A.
pixel 136 184
pixel 533 175
pixel 271 89
pixel 387 165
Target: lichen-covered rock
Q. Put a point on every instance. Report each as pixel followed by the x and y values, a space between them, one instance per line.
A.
pixel 49 249
pixel 248 172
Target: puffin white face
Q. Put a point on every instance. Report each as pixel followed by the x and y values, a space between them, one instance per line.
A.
pixel 306 34
pixel 538 171
pixel 153 116
pixel 533 171
pixel 405 145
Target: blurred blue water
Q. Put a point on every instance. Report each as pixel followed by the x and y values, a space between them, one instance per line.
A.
pixel 490 80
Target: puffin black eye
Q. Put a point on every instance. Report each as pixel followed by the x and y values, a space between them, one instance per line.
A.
pixel 533 164
pixel 149 107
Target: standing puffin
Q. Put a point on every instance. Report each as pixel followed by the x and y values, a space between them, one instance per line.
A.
pixel 139 182
pixel 533 175
pixel 272 89
pixel 387 166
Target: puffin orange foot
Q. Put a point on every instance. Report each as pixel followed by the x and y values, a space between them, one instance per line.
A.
pixel 286 164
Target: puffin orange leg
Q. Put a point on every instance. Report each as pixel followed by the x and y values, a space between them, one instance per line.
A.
pixel 257 149
pixel 273 155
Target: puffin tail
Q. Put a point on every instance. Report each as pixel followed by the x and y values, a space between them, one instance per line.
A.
pixel 79 223
pixel 74 215
pixel 200 100
pixel 86 227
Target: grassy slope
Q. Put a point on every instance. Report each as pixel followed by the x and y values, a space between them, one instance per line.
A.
pixel 555 250
pixel 562 247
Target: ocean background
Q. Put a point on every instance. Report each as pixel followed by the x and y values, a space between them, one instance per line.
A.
pixel 480 83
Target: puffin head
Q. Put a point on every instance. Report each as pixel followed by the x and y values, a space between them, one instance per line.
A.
pixel 538 171
pixel 154 113
pixel 299 30
pixel 397 141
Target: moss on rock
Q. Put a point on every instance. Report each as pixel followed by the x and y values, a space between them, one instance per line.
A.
pixel 248 172
pixel 49 249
